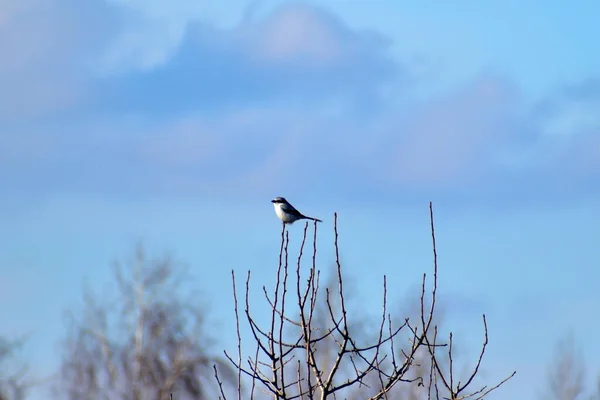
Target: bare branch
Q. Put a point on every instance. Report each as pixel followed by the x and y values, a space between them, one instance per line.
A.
pixel 334 363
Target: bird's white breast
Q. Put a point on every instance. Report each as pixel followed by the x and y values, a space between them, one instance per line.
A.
pixel 282 215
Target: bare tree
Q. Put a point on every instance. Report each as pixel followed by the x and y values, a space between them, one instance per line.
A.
pixel 13 383
pixel 291 366
pixel 147 342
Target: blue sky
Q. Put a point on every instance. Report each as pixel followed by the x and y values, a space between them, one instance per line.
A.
pixel 135 120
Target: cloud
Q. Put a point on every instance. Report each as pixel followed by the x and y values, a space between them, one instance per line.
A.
pixel 295 93
pixel 478 144
pixel 571 119
pixel 224 109
pixel 43 44
pixel 298 34
pixel 298 54
pixel 451 137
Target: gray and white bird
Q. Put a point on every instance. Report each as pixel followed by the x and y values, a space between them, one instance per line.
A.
pixel 287 213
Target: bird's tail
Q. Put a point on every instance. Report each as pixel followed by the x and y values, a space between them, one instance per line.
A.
pixel 314 219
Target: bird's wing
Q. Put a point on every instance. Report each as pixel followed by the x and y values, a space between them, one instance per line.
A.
pixel 288 208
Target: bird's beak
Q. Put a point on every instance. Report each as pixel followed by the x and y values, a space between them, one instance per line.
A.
pixel 272 201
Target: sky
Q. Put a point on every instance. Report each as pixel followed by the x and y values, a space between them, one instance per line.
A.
pixel 175 123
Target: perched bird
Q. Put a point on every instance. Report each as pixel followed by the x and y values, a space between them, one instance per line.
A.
pixel 287 213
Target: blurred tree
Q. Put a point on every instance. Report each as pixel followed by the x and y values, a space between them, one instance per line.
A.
pixel 566 373
pixel 148 342
pixel 596 394
pixel 12 376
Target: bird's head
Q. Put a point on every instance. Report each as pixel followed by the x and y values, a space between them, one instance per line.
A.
pixel 279 200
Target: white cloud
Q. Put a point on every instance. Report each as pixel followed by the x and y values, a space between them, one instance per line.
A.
pixel 155 29
pixel 577 116
pixel 42 47
pixel 452 137
pixel 295 34
pixel 189 143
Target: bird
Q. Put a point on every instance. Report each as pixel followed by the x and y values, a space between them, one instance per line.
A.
pixel 287 213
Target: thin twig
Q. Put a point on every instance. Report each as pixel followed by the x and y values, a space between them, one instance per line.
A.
pixel 239 336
